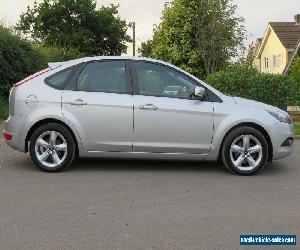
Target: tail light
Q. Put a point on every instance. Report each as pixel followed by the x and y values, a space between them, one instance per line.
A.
pixel 27 79
pixel 7 136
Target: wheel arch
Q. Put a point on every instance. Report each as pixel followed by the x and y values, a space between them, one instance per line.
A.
pixel 255 126
pixel 47 121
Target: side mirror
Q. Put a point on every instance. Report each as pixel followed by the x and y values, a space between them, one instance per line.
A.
pixel 199 92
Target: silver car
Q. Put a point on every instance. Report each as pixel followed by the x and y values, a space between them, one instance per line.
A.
pixel 117 107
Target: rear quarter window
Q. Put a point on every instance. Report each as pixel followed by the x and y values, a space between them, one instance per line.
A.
pixel 60 79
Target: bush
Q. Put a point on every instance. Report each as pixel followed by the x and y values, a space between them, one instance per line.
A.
pixel 250 83
pixel 295 77
pixel 58 54
pixel 3 109
pixel 17 60
pixel 295 70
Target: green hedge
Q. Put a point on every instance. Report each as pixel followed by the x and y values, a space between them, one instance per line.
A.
pixel 58 54
pixel 294 74
pixel 251 84
pixel 17 60
pixel 3 109
pixel 20 58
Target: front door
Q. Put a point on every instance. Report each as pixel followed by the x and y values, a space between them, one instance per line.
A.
pixel 166 117
pixel 101 107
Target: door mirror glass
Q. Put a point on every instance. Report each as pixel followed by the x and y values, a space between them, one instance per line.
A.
pixel 199 92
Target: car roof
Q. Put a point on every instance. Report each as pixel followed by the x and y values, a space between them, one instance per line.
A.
pixel 96 58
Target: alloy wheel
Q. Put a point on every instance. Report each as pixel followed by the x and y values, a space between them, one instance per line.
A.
pixel 51 149
pixel 246 152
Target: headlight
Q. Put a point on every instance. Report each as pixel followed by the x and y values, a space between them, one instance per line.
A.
pixel 281 117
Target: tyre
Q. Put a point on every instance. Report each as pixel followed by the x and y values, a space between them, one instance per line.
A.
pixel 244 151
pixel 52 147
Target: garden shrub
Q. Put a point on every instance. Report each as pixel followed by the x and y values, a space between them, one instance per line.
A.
pixel 58 54
pixel 294 74
pixel 251 84
pixel 18 59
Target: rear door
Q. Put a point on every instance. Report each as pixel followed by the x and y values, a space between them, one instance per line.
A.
pixel 166 117
pixel 100 105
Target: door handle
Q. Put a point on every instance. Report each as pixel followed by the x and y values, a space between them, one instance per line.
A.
pixel 149 107
pixel 78 102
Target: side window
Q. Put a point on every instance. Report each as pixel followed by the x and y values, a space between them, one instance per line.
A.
pixel 158 80
pixel 106 76
pixel 59 79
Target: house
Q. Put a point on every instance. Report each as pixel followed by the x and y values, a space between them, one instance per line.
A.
pixel 274 52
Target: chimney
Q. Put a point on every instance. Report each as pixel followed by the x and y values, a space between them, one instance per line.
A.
pixel 297 19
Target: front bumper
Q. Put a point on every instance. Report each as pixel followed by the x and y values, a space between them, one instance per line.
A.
pixel 281 133
pixel 15 125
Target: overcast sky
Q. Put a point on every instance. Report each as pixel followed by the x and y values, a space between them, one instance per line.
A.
pixel 145 13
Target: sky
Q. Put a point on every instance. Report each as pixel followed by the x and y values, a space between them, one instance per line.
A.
pixel 146 13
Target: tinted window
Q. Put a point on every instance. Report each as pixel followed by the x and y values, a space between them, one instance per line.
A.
pixel 59 80
pixel 106 76
pixel 158 80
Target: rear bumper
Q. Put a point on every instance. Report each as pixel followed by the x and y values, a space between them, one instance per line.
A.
pixel 279 133
pixel 15 125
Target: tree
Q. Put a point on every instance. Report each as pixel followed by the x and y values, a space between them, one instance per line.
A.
pixel 218 32
pixel 76 24
pixel 146 49
pixel 173 39
pixel 18 59
pixel 200 36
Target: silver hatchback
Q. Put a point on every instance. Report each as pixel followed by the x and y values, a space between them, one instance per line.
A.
pixel 123 107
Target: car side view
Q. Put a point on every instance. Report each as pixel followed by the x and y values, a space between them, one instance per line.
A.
pixel 123 107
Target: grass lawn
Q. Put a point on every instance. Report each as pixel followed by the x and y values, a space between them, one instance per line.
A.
pixel 297 128
pixel 3 110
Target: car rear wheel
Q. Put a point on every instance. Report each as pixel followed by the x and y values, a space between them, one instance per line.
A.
pixel 244 151
pixel 52 147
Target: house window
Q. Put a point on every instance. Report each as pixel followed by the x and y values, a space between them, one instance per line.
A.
pixel 266 62
pixel 277 61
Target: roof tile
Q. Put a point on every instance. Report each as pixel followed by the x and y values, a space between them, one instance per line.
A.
pixel 287 32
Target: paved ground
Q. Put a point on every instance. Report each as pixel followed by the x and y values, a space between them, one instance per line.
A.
pixel 109 204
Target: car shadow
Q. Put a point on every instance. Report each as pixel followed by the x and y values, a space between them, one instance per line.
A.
pixel 277 168
pixel 97 164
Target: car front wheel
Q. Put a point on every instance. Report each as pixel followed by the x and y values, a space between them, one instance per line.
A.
pixel 244 151
pixel 52 147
